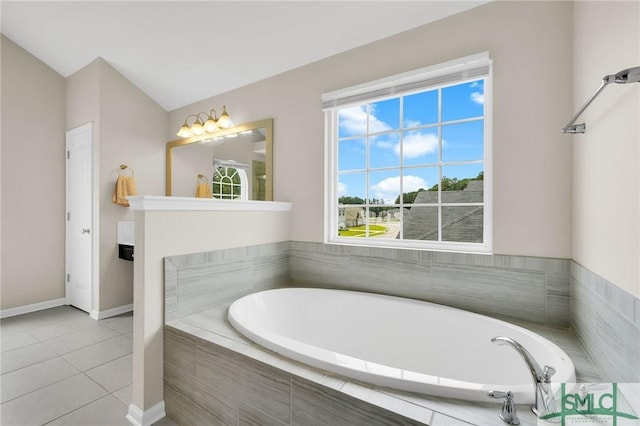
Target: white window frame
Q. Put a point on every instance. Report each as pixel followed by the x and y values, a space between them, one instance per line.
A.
pixel 451 72
pixel 242 186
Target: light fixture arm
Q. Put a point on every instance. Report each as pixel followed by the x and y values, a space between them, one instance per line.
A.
pixel 186 120
pixel 185 130
pixel 205 123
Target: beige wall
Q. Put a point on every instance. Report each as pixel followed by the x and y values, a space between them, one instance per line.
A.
pixel 33 179
pixel 167 233
pixel 129 128
pixel 132 132
pixel 83 98
pixel 531 47
pixel 606 178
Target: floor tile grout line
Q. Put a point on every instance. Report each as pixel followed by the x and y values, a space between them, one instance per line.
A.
pixel 119 389
pixel 105 363
pixel 43 361
pixel 106 390
pixel 81 347
pixel 27 326
pixel 28 365
pixel 27 334
pixel 41 388
pixel 108 393
pixel 78 370
pixel 71 332
pixel 78 373
pixel 76 409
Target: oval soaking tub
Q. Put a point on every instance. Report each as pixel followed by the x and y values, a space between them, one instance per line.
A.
pixel 396 342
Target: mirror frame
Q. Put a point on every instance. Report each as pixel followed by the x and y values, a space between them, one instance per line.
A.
pixel 267 124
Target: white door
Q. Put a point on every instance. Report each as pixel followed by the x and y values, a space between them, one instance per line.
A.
pixel 79 229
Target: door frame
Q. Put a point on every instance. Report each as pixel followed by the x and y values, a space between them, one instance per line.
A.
pixel 94 226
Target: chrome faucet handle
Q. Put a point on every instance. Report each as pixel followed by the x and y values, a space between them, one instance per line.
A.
pixel 508 413
pixel 547 372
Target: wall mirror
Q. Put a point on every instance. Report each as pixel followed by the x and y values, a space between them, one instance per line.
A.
pixel 235 163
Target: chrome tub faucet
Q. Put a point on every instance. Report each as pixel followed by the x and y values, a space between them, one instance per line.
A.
pixel 544 401
pixel 508 413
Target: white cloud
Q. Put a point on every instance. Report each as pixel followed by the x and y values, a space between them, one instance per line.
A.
pixel 389 141
pixel 354 121
pixel 477 97
pixel 342 189
pixel 388 189
pixel 412 123
pixel 417 144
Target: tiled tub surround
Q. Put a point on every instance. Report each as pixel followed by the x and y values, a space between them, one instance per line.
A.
pixel 195 282
pixel 215 375
pixel 200 287
pixel 607 320
pixel 530 288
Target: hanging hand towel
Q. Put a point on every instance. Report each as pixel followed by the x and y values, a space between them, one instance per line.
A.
pixel 203 190
pixel 125 187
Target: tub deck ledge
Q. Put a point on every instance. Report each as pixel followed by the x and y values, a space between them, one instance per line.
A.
pixel 212 326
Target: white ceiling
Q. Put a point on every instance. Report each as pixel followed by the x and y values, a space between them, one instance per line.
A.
pixel 180 52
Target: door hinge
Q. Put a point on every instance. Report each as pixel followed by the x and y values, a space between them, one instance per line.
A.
pixel 68 215
pixel 68 277
pixel 68 155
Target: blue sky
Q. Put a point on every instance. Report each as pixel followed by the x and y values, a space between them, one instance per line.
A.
pixel 420 145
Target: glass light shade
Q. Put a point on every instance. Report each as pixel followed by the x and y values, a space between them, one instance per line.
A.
pixel 196 128
pixel 184 131
pixel 224 121
pixel 210 125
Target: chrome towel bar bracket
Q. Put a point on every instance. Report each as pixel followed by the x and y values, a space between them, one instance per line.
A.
pixel 630 75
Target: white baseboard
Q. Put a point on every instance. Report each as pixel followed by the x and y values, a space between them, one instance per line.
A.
pixel 11 312
pixel 98 315
pixel 137 417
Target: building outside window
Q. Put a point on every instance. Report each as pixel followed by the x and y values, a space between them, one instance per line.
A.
pixel 410 159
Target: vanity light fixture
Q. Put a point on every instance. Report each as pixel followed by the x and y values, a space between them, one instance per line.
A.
pixel 209 124
pixel 225 121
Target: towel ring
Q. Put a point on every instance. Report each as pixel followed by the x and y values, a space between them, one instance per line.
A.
pixel 203 179
pixel 124 167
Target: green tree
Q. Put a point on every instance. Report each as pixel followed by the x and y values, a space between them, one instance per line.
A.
pixel 453 184
pixel 448 184
pixel 350 200
pixel 408 197
pixel 374 202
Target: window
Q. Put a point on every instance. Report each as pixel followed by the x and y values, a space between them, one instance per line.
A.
pixel 410 159
pixel 229 183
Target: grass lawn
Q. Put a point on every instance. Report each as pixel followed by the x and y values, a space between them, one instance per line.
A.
pixel 361 231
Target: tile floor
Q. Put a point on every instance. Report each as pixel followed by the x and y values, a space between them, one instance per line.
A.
pixel 61 367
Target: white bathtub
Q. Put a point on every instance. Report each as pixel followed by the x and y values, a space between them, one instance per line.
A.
pixel 396 342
